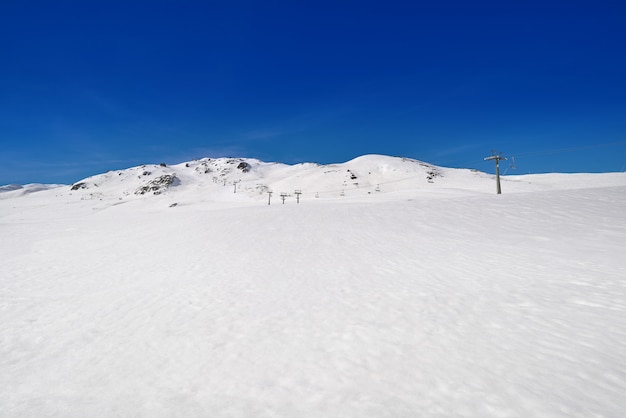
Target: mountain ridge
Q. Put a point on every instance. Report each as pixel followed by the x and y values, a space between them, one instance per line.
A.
pixel 371 174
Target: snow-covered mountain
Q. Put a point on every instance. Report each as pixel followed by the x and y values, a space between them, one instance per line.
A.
pixel 254 177
pixel 403 290
pixel 251 179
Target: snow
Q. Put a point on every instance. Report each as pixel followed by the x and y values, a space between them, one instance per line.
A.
pixel 425 298
pixel 14 190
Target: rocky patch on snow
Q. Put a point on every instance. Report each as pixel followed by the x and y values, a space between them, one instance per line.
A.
pixel 78 186
pixel 158 185
pixel 432 173
pixel 244 166
pixel 203 167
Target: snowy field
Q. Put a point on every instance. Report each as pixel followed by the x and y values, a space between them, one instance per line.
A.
pixel 416 293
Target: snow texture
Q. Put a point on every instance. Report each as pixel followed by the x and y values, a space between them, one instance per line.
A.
pixel 401 296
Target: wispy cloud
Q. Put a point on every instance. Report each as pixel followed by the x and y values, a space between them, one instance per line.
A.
pixel 261 134
pixel 296 124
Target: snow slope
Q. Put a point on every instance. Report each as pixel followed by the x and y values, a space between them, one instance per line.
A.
pixel 422 299
pixel 15 190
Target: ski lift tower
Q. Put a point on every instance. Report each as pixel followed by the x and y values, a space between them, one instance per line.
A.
pixel 497 156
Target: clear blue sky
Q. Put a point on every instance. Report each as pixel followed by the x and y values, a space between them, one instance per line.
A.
pixel 92 86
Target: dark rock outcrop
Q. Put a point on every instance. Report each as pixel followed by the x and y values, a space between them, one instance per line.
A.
pixel 158 185
pixel 78 186
pixel 244 166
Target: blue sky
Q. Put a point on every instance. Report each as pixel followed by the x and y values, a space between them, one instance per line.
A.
pixel 90 86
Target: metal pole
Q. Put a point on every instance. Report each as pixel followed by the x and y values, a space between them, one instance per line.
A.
pixel 498 176
pixel 497 157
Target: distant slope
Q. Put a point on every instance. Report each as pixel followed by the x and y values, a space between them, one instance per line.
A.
pixel 16 190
